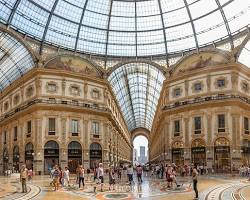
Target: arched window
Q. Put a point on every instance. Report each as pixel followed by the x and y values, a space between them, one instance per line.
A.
pixel 95 146
pixel 51 145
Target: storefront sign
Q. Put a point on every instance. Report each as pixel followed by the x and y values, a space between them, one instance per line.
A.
pixel 51 152
pixel 245 149
pixel 75 152
pixel 222 149
pixel 198 150
pixel 96 153
pixel 177 151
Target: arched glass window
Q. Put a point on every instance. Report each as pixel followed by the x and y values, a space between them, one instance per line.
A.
pixel 95 146
pixel 29 147
pixel 74 145
pixel 15 59
pixel 51 145
pixel 137 87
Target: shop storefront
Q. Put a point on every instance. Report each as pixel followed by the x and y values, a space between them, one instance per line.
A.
pixel 29 155
pixel 74 156
pixel 178 153
pixel 245 150
pixel 178 156
pixel 51 155
pixel 198 152
pixel 222 158
pixel 16 156
pixel 5 160
pixel 95 154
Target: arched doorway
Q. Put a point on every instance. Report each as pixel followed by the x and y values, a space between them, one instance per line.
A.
pixel 5 160
pixel 95 154
pixel 198 152
pixel 29 155
pixel 245 149
pixel 140 151
pixel 178 153
pixel 74 155
pixel 16 156
pixel 51 155
pixel 222 159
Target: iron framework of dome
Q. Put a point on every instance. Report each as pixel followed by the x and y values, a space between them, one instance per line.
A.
pixel 15 60
pixel 137 87
pixel 128 28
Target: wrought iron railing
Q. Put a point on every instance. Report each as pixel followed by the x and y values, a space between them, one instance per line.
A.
pixel 54 102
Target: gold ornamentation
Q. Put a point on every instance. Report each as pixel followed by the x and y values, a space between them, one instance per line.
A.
pixel 222 142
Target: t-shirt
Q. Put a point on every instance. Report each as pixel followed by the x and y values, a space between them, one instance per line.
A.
pixel 24 173
pixel 195 174
pixel 130 170
pixel 66 173
pixel 81 173
pixel 139 170
pixel 100 172
pixel 56 173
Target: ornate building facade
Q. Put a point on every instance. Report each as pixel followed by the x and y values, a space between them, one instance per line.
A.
pixel 62 113
pixel 203 113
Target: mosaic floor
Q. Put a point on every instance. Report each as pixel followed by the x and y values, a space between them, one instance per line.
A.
pixel 210 188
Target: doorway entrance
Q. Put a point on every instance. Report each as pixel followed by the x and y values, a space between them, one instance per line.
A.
pixel 51 155
pixel 74 156
pixel 95 155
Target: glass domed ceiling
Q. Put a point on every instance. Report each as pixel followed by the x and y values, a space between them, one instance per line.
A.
pixel 127 27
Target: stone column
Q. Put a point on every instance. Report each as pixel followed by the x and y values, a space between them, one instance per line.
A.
pixel 38 163
pixel 86 143
pixel 210 146
pixel 235 148
pixel 187 148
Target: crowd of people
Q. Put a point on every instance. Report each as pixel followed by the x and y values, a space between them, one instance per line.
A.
pixel 170 172
pixel 244 171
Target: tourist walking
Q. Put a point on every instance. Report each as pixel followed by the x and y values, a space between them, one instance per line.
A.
pixel 139 173
pixel 100 175
pixel 111 179
pixel 195 180
pixel 81 176
pixel 130 172
pixel 169 175
pixel 56 176
pixel 66 177
pixel 23 178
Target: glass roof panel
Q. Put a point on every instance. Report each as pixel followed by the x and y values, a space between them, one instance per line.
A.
pixel 202 7
pixel 68 11
pixel 62 17
pixel 125 9
pixel 207 29
pixel 137 83
pixel 15 60
pixel 170 5
pixel 175 17
pixel 146 8
pixel 244 57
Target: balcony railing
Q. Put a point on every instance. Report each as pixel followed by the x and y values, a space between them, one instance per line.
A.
pixel 54 102
pixel 200 100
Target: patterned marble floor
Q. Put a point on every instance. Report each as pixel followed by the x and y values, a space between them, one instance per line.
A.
pixel 210 187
